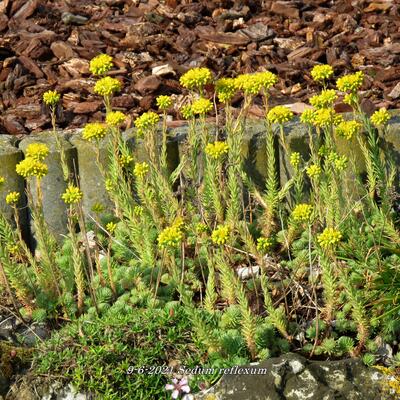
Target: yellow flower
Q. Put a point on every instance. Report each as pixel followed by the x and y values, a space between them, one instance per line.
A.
pixel 179 223
pixel 196 78
pixel 351 99
pixel 338 162
pixel 348 129
pixel 324 117
pixel 31 167
pixel 164 102
pixel 341 163
pixel 146 121
pixel 225 89
pixel 187 111
pixel 324 100
pixel 330 237
pixel 264 244
pixel 125 160
pixel 380 117
pixel 307 117
pixel 220 235
pixel 217 149
pixel 51 98
pixel 350 83
pixel 2 180
pixel 302 212
pixel 279 115
pixel 37 151
pixel 94 130
pixel 321 72
pixel 201 106
pixel 13 249
pixel 170 237
pixel 100 64
pixel 314 171
pixel 115 118
pixel 111 227
pixel 141 169
pixel 72 195
pixel 107 86
pixel 252 84
pixel 12 198
pixel 295 159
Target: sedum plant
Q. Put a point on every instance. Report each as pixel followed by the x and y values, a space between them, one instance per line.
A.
pixel 310 264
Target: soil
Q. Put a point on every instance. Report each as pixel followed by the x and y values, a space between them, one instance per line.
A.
pixel 48 44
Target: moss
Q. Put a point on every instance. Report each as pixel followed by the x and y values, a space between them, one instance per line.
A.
pixel 13 359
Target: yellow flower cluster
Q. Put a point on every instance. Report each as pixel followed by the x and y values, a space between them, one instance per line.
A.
pixel 279 115
pixel 220 235
pixel 51 98
pixel 348 129
pixel 302 212
pixel 164 102
pixel 295 159
pixel 321 72
pixel 37 151
pixel 217 149
pixel 146 121
pixel 225 89
pixel 141 169
pixel 338 162
pixel 264 244
pixel 201 106
pixel 171 236
pixel 196 78
pixel 125 159
pixel 324 117
pixel 107 86
pixel 330 237
pixel 12 198
pixel 100 64
pixel 31 167
pixel 307 117
pixel 380 117
pixel 324 100
pixel 351 99
pixel 111 227
pixel 94 130
pixel 12 249
pixel 251 84
pixel 72 195
pixel 313 171
pixel 115 118
pixel 350 83
pixel 187 111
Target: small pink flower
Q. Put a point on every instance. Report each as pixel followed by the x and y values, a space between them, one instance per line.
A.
pixel 179 387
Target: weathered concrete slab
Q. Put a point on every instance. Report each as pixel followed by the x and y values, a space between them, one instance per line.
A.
pixel 53 184
pixel 10 156
pixel 293 377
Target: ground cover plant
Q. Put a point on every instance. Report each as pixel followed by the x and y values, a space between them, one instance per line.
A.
pixel 200 265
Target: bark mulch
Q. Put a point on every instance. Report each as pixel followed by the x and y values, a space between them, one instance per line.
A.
pixel 48 44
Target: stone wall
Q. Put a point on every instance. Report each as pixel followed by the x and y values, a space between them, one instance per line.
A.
pixel 81 158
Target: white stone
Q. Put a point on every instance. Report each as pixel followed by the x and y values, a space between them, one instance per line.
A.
pixel 296 366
